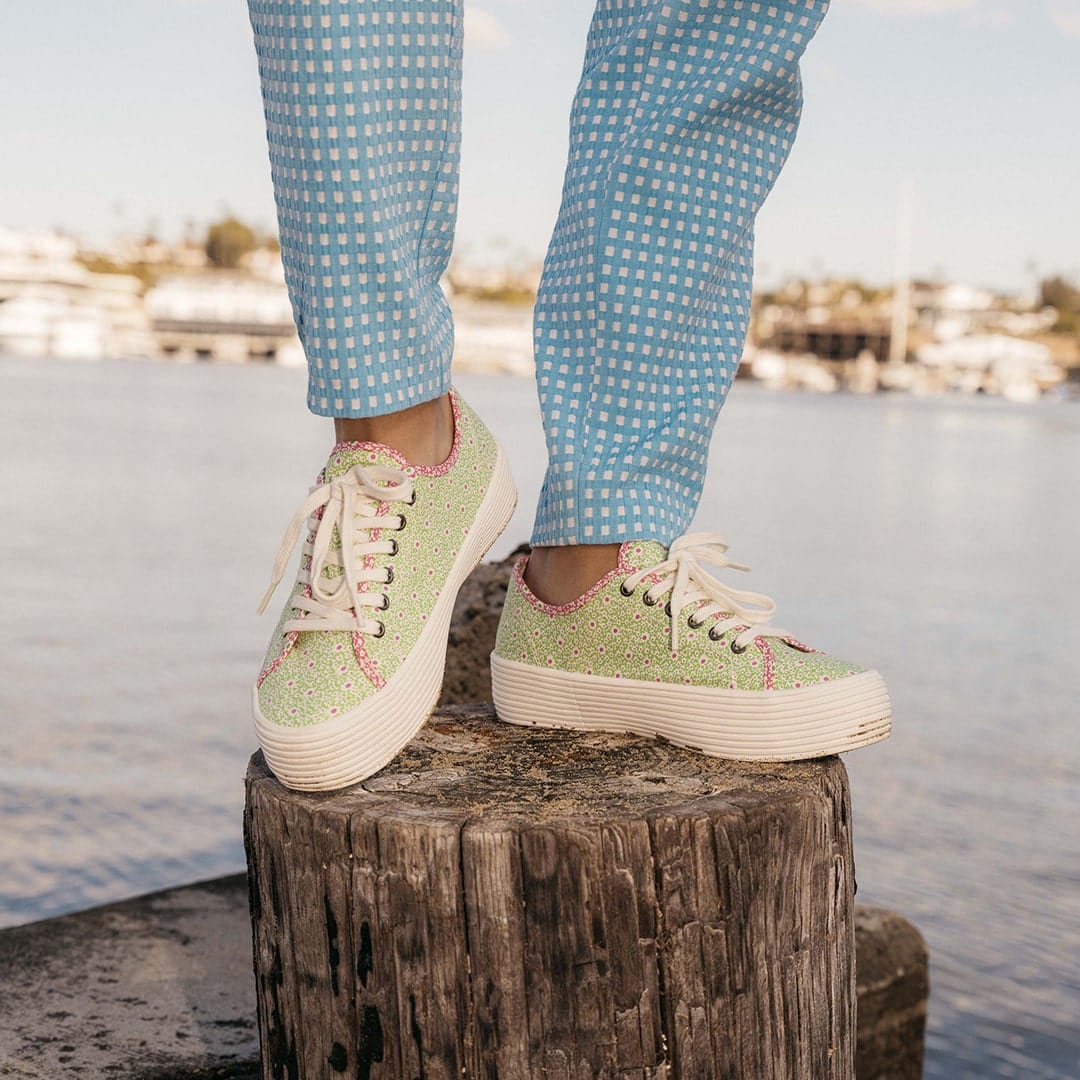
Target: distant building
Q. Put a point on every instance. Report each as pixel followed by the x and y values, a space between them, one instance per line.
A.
pixel 829 340
pixel 52 305
pixel 995 364
pixel 948 312
pixel 836 321
pixel 223 316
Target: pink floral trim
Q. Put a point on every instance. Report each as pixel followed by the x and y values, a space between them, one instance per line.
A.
pixel 770 662
pixel 399 459
pixel 797 644
pixel 373 447
pixel 290 641
pixel 369 665
pixel 623 567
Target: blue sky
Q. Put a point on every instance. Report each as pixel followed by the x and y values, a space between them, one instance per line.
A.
pixel 121 114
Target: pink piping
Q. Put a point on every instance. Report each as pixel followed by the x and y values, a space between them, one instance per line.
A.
pixel 799 645
pixel 770 662
pixel 368 664
pixel 290 641
pixel 418 470
pixel 623 567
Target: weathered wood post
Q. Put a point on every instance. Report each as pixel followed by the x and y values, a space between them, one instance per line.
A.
pixel 507 903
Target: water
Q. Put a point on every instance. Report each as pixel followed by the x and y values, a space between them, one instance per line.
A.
pixel 934 539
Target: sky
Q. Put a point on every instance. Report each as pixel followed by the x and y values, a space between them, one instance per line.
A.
pixel 128 115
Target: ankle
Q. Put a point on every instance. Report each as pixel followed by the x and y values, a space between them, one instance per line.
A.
pixel 423 434
pixel 559 575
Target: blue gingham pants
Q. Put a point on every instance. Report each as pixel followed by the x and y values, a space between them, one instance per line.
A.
pixel 685 114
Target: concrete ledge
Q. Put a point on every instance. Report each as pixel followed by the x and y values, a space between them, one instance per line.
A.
pixel 892 985
pixel 160 988
pixel 155 988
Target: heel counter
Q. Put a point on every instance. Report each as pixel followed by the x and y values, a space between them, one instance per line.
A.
pixel 509 637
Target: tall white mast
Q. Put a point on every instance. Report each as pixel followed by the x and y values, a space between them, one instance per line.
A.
pixel 901 306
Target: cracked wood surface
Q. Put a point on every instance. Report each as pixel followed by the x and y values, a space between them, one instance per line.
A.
pixel 513 903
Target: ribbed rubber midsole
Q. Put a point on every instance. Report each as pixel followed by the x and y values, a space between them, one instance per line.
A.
pixel 750 725
pixel 344 750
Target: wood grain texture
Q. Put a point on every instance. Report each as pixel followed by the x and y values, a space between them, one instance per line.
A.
pixel 531 905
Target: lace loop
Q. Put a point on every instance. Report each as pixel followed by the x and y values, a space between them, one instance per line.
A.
pixel 686 582
pixel 344 509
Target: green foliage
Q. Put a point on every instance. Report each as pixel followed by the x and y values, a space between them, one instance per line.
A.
pixel 502 294
pixel 227 242
pixel 1057 292
pixel 99 264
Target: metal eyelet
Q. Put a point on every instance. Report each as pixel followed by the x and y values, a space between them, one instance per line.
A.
pixel 412 500
pixel 647 600
pixel 394 549
pixel 380 631
pixel 693 623
pixel 713 634
pixel 401 523
pixel 385 603
pixel 389 575
pixel 667 609
pixel 736 648
pixel 625 591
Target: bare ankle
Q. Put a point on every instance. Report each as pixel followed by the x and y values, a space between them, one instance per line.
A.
pixel 558 575
pixel 423 434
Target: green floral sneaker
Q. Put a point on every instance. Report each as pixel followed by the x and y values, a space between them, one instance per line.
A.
pixel 355 664
pixel 659 646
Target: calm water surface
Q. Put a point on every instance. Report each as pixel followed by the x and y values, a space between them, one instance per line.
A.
pixel 935 539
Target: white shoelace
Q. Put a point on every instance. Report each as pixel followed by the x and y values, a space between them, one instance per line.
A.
pixel 350 503
pixel 686 582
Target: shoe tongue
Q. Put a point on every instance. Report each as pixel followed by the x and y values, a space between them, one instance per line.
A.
pixel 346 455
pixel 638 554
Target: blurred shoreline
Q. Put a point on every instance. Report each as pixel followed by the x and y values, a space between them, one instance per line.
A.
pixel 224 300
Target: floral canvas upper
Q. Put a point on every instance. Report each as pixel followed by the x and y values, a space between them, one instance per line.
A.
pixel 626 627
pixel 408 539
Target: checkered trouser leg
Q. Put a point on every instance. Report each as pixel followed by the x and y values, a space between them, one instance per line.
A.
pixel 362 100
pixel 685 114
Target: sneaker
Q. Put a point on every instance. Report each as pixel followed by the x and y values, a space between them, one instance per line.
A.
pixel 660 646
pixel 355 665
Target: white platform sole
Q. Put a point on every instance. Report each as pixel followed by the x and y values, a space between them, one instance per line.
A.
pixel 349 748
pixel 747 725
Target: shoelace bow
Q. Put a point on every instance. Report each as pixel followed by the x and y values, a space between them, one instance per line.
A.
pixel 348 503
pixel 686 582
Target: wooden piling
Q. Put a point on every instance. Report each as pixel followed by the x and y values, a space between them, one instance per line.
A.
pixel 509 903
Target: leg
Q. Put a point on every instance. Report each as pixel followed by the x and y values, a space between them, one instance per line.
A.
pixel 686 113
pixel 362 101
